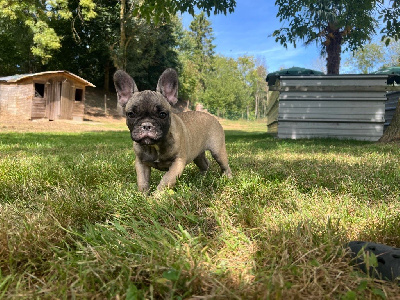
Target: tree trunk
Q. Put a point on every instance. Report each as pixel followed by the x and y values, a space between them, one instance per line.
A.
pixel 122 41
pixel 264 105
pixel 333 45
pixel 107 77
pixel 392 133
pixel 256 105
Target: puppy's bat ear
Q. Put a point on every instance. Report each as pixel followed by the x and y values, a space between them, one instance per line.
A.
pixel 125 87
pixel 168 85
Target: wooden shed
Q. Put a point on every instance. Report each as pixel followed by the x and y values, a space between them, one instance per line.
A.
pixel 50 95
pixel 339 106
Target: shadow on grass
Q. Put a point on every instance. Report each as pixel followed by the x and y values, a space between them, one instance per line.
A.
pixel 268 141
pixel 115 139
pixel 53 143
pixel 249 153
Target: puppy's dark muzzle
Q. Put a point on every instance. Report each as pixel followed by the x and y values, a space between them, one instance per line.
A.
pixel 145 133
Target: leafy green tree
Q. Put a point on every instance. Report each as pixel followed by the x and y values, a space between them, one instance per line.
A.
pixel 164 9
pixel 157 12
pixel 248 75
pixel 260 90
pixel 254 93
pixel 202 54
pixel 334 25
pixel 88 47
pixel 224 93
pixel 15 44
pixel 235 87
pixel 391 17
pixel 366 59
pixel 36 16
pixel 188 74
pixel 202 37
pixel 373 56
pixel 121 40
pixel 85 45
pixel 393 55
pixel 190 88
pixel 154 50
pixel 196 50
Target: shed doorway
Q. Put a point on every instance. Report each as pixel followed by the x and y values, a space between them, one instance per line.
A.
pixel 54 100
pixel 67 103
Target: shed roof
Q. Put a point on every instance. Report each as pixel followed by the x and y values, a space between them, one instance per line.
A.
pixel 19 77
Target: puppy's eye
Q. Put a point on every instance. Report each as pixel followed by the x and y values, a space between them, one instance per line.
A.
pixel 162 114
pixel 130 114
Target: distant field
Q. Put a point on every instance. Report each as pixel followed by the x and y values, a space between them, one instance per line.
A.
pixel 72 224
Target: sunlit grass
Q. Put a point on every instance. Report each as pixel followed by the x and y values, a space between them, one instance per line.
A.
pixel 72 223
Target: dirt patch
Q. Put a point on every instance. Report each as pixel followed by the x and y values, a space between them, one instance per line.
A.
pixel 99 103
pixel 90 123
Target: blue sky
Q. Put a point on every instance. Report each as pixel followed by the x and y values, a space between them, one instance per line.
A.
pixel 248 31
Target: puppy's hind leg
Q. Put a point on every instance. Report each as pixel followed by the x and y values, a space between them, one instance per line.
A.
pixel 221 156
pixel 202 162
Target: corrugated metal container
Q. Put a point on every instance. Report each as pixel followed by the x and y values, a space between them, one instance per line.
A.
pixel 272 111
pixel 339 106
pixel 390 107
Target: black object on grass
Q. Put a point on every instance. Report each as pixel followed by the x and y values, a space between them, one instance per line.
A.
pixel 381 260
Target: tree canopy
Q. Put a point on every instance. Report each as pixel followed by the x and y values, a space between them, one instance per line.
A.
pixel 335 26
pixel 164 9
pixel 373 56
pixel 38 16
pixel 230 88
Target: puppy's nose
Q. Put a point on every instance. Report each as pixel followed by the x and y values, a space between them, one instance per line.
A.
pixel 147 126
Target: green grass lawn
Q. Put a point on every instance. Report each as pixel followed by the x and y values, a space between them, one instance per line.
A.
pixel 72 224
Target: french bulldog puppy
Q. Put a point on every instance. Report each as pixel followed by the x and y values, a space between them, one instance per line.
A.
pixel 164 139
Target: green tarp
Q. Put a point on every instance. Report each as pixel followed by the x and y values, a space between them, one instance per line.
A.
pixel 393 72
pixel 294 71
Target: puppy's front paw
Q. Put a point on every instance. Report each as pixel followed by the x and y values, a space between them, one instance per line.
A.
pixel 144 189
pixel 228 174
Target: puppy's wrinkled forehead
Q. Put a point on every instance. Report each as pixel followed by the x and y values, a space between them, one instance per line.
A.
pixel 146 101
